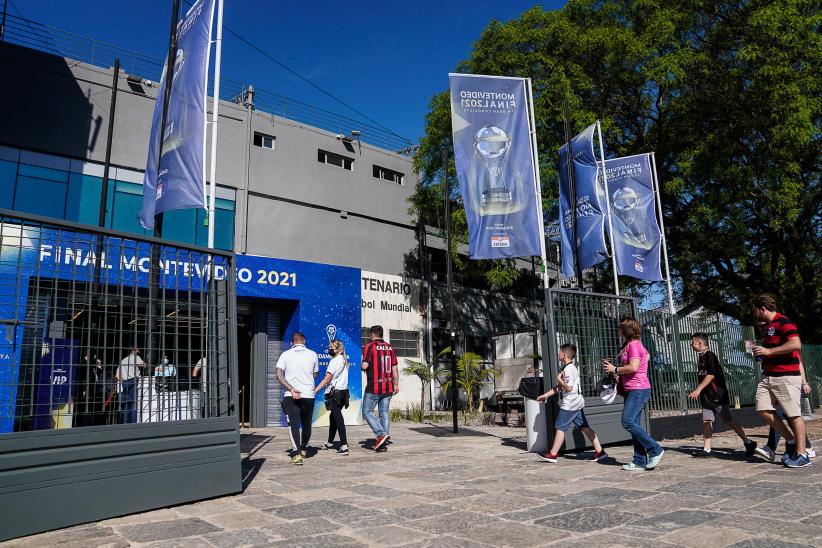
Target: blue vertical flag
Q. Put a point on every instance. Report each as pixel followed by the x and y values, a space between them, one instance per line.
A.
pixel 495 169
pixel 636 238
pixel 590 205
pixel 180 181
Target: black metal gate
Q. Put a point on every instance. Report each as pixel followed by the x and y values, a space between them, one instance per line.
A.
pixel 117 361
pixel 590 321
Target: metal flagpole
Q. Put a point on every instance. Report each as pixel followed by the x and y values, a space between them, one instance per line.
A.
pixel 664 242
pixel 572 188
pixel 608 209
pixel 214 122
pixel 537 186
pixel 450 275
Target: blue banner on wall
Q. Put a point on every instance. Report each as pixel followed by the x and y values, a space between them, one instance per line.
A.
pixel 180 181
pixel 636 238
pixel 494 160
pixel 590 205
pixel 329 300
pixel 325 300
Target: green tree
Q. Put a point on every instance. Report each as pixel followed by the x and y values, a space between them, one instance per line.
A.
pixel 471 375
pixel 729 97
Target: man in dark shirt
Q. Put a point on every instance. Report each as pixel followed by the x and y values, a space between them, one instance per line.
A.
pixel 712 393
pixel 781 382
pixel 379 361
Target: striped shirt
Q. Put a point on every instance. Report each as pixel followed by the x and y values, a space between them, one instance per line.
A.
pixel 777 333
pixel 381 359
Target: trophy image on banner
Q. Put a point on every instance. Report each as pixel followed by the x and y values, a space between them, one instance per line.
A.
pixel 492 145
pixel 175 128
pixel 624 205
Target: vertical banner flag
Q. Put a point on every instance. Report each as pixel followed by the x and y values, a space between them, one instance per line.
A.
pixel 590 206
pixel 636 239
pixel 179 183
pixel 494 160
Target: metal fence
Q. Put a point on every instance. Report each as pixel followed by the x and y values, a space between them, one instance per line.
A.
pixel 99 327
pixel 673 367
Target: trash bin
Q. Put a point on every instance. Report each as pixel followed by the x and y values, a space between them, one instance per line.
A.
pixel 536 426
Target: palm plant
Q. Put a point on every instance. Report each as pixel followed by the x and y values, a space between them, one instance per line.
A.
pixel 421 370
pixel 470 375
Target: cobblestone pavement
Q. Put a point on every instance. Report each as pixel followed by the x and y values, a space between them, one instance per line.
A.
pixel 480 489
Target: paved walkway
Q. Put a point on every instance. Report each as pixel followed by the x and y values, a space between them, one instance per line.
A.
pixel 480 489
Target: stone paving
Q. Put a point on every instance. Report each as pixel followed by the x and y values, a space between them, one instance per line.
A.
pixel 480 489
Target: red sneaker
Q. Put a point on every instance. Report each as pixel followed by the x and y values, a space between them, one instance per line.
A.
pixel 381 441
pixel 547 457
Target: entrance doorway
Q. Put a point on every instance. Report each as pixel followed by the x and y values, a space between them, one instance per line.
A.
pixel 245 331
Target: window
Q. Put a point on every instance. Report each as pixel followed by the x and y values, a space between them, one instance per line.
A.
pixel 388 174
pixel 365 337
pixel 264 141
pixel 405 343
pixel 325 157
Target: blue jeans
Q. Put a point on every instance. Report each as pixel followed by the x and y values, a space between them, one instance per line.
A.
pixel 128 402
pixel 369 401
pixel 644 445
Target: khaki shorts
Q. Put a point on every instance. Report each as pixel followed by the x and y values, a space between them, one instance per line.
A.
pixel 784 391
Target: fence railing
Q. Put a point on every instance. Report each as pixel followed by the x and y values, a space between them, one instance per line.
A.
pixel 99 327
pixel 673 368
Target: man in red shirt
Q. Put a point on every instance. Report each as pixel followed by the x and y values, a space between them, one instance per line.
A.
pixel 379 361
pixel 781 382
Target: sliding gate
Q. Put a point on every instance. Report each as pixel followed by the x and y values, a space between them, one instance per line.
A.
pixel 590 321
pixel 117 360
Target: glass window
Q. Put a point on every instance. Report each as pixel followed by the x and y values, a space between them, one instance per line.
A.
pixel 365 337
pixel 40 196
pixel 178 225
pixel 387 174
pixel 405 343
pixel 44 173
pixel 223 229
pixel 128 199
pixel 83 201
pixel 8 174
pixel 264 141
pixel 338 160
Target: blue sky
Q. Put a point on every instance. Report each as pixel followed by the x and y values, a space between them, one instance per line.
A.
pixel 387 59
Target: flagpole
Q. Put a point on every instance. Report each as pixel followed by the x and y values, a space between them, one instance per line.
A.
pixel 214 122
pixel 572 190
pixel 608 209
pixel 671 308
pixel 537 186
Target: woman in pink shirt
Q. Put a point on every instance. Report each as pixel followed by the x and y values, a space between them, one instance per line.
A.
pixel 632 372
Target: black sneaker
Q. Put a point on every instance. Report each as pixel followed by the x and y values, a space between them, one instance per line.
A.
pixel 750 448
pixel 598 456
pixel 701 454
pixel 343 450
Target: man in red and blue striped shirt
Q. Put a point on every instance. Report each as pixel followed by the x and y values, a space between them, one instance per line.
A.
pixel 379 361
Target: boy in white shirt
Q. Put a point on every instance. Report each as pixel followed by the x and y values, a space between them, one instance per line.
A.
pixel 570 407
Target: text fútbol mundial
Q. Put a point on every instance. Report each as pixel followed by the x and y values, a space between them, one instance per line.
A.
pixel 487 99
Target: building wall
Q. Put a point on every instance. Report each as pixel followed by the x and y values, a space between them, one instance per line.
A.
pixel 288 204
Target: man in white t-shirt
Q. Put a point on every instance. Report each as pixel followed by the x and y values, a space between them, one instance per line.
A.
pixel 571 406
pixel 127 374
pixel 296 370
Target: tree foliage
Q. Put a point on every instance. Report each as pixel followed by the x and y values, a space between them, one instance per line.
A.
pixel 471 375
pixel 728 95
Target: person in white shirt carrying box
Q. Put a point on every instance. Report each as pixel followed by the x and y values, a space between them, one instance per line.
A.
pixel 570 408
